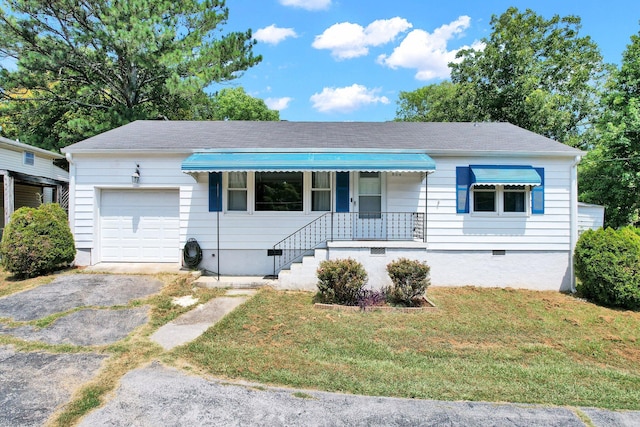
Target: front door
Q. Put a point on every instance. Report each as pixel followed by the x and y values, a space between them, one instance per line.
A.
pixel 369 221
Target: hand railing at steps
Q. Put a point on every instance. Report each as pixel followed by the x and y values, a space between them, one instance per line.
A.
pixel 344 226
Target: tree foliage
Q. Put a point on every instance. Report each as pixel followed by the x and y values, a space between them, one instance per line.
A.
pixel 442 102
pixel 536 73
pixel 236 104
pixel 87 66
pixel 610 173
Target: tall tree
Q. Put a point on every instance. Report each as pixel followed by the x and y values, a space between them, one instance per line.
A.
pixel 537 73
pixel 236 104
pixel 442 102
pixel 610 173
pixel 96 64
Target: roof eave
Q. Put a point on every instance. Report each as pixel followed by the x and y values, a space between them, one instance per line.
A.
pixel 505 153
pixel 20 146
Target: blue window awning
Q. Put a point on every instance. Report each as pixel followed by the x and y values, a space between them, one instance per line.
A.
pixel 505 175
pixel 289 161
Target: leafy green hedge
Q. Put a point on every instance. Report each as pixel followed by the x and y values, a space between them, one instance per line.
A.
pixel 410 280
pixel 607 263
pixel 37 241
pixel 341 281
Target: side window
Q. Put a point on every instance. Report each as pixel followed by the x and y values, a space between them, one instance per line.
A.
pixel 29 158
pixel 321 191
pixel 237 191
pixel 514 190
pixel 514 198
pixel 484 198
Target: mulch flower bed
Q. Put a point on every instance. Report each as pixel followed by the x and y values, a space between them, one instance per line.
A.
pixel 426 305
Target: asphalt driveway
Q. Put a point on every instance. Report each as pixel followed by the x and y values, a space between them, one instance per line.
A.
pixel 161 396
pixel 35 384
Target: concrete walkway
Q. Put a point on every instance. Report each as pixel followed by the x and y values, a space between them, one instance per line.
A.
pixel 238 282
pixel 193 323
pixel 136 268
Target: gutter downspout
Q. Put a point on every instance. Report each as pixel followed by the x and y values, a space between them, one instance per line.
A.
pixel 72 198
pixel 573 237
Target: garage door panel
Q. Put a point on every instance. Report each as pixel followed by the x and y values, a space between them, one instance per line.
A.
pixel 140 226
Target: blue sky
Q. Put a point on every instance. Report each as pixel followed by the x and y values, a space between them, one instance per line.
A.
pixel 347 60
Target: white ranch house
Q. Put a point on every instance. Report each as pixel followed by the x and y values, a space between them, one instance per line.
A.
pixel 486 204
pixel 29 178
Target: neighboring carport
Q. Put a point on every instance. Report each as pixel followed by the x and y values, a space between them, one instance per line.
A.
pixel 20 190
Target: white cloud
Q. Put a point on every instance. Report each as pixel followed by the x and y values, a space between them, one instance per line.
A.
pixel 427 52
pixel 307 4
pixel 273 35
pixel 346 40
pixel 278 103
pixel 346 99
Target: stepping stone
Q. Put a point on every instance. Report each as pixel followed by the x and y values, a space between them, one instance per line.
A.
pixel 192 324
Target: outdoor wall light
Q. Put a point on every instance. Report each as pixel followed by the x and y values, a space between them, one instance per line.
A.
pixel 135 176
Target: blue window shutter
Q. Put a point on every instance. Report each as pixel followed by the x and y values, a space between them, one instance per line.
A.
pixel 342 191
pixel 463 181
pixel 537 195
pixel 215 191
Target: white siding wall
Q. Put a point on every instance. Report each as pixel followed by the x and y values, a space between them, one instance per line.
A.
pixel 94 173
pixel 245 237
pixel 590 217
pixel 13 160
pixel 405 192
pixel 448 230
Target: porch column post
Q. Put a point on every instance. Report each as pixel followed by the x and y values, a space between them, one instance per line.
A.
pixel 426 209
pixel 8 196
pixel 57 197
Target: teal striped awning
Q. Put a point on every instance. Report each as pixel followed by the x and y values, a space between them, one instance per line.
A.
pixel 505 175
pixel 290 161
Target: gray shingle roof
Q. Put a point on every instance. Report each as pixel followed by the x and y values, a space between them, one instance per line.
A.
pixel 436 138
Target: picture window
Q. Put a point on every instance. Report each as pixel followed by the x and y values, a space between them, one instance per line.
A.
pixel 279 191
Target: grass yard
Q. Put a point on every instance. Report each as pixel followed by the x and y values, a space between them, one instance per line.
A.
pixel 10 285
pixel 482 344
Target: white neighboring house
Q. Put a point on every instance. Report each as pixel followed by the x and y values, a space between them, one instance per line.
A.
pixel 487 204
pixel 590 217
pixel 29 177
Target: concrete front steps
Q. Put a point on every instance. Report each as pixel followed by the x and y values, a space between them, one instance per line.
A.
pixel 302 275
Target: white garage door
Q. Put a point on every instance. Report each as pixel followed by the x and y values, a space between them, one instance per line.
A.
pixel 139 226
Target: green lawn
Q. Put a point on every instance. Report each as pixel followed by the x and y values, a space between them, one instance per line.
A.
pixel 482 344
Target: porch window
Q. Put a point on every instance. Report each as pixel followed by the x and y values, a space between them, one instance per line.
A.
pixel 279 191
pixel 321 191
pixel 370 197
pixel 237 191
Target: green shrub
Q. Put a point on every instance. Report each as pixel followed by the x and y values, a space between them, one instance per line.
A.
pixel 410 280
pixel 607 262
pixel 37 241
pixel 340 281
